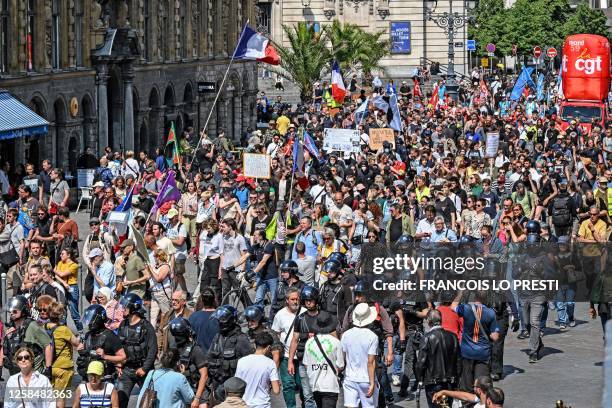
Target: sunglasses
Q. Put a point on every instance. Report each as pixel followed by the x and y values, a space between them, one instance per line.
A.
pixel 23 357
pixel 372 236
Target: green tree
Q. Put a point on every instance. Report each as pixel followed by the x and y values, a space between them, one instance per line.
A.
pixel 488 24
pixel 586 20
pixel 355 49
pixel 304 59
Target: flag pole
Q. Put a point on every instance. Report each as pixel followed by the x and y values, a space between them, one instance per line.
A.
pixel 219 91
pixel 154 204
pixel 299 138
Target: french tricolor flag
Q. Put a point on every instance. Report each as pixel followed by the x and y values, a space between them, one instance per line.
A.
pixel 337 84
pixel 255 46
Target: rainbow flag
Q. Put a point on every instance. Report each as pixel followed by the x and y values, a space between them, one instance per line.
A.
pixel 173 144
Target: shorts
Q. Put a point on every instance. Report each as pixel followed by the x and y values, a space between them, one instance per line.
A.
pixel 355 393
pixel 61 378
pixel 179 266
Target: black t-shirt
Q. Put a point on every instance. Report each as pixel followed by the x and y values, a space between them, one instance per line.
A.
pixel 257 224
pixel 395 229
pixel 307 323
pixel 269 271
pixel 198 357
pixel 146 204
pixel 445 208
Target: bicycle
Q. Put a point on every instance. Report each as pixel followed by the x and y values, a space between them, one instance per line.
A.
pixel 240 298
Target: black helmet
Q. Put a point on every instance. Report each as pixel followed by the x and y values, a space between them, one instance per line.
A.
pixel 533 227
pixel 133 303
pixel 254 314
pixel 20 303
pixel 332 266
pixel 289 266
pixel 309 293
pixel 94 318
pixel 180 327
pixel 360 288
pixel 405 240
pixel 338 257
pixel 227 316
pixel 533 239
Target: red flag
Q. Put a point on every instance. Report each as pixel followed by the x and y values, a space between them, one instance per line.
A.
pixel 435 97
pixel 483 88
pixel 417 88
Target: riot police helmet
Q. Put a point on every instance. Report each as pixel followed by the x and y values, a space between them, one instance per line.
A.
pixel 360 288
pixel 309 293
pixel 289 266
pixel 254 313
pixel 133 304
pixel 333 268
pixel 94 318
pixel 533 227
pixel 338 257
pixel 533 239
pixel 180 327
pixel 18 303
pixel 227 316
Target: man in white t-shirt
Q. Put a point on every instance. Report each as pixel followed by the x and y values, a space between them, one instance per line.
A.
pixel 342 215
pixel 360 346
pixel 321 350
pixel 260 374
pixel 283 324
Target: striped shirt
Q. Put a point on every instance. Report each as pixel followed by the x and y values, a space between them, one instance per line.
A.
pixel 98 399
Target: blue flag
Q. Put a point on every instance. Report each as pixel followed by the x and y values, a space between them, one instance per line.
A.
pixel 309 144
pixel 396 122
pixel 540 87
pixel 126 204
pixel 361 112
pixel 298 157
pixel 441 92
pixel 523 80
pixel 380 103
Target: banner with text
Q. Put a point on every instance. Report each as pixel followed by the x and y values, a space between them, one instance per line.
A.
pixel 379 136
pixel 256 165
pixel 342 140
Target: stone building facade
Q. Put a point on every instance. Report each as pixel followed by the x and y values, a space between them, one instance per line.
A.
pixel 117 72
pixel 427 40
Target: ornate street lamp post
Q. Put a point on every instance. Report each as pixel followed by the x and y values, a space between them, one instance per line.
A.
pixel 450 21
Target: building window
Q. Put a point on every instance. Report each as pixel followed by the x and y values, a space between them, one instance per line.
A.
pixel 55 35
pixel 263 12
pixel 78 32
pixel 30 36
pixel 183 30
pixel 4 34
pixel 147 29
pixel 164 37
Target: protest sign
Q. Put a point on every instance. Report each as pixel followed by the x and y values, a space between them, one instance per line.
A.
pixel 379 136
pixel 343 140
pixel 492 144
pixel 256 165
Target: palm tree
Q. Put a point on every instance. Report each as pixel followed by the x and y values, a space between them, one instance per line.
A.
pixel 357 50
pixel 305 58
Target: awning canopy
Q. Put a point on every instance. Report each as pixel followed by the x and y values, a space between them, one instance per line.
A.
pixel 17 120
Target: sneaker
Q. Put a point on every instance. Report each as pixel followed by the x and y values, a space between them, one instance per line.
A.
pixel 562 328
pixel 523 335
pixel 403 393
pixel 533 358
pixel 395 380
pixel 572 323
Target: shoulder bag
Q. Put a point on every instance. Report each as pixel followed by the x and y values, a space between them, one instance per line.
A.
pixel 9 257
pixel 149 396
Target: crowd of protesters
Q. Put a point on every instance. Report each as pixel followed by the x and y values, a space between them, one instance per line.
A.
pixel 301 247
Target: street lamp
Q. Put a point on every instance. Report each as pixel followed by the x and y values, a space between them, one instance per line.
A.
pixel 450 21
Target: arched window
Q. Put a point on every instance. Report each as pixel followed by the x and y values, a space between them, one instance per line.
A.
pixel 4 35
pixel 55 34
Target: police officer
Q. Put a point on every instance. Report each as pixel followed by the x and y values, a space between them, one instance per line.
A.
pixel 289 278
pixel 336 291
pixel 138 337
pixel 192 360
pixel 304 328
pixel 256 321
pixel 383 328
pixel 23 330
pixel 99 343
pixel 228 346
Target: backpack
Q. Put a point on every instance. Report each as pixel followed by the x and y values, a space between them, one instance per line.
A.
pixel 560 212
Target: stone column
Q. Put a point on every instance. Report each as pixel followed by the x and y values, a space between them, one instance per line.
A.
pixel 101 82
pixel 237 125
pixel 246 114
pixel 128 106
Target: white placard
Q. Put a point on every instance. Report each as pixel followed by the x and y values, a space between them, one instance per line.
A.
pixel 256 165
pixel 342 140
pixel 492 144
pixel 85 177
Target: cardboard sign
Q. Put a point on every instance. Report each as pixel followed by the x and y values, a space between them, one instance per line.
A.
pixel 492 144
pixel 256 165
pixel 379 136
pixel 342 140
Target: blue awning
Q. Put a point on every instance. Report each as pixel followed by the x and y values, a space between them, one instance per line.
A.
pixel 17 120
